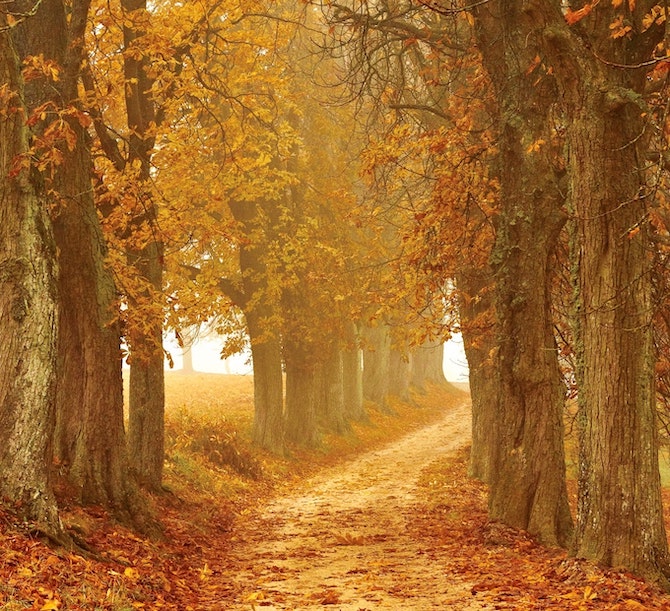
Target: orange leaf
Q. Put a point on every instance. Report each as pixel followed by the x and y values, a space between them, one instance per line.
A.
pixel 573 17
pixel 534 64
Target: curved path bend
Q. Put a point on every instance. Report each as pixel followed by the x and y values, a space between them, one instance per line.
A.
pixel 340 542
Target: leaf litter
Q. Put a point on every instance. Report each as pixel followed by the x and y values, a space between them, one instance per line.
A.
pixel 400 527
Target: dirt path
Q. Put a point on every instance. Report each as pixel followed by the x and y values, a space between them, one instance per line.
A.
pixel 340 541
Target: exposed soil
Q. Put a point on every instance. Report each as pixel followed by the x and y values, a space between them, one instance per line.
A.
pixel 340 541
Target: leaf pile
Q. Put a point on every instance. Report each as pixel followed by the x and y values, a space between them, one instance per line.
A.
pixel 189 568
pixel 507 568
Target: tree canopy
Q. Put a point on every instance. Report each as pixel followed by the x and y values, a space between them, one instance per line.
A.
pixel 342 186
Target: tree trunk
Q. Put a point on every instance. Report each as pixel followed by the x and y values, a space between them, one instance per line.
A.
pixel 28 318
pixel 427 361
pixel 90 439
pixel 260 311
pixel 146 409
pixel 187 360
pixel 620 516
pixel 376 364
pixel 301 396
pixel 331 407
pixel 352 372
pixel 146 418
pixel 268 427
pixel 527 483
pixel 479 337
pixel 400 374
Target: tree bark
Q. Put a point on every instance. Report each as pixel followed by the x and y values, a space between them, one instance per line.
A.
pixel 260 312
pixel 28 318
pixel 268 426
pixel 90 440
pixel 527 483
pixel 331 407
pixel 479 341
pixel 620 517
pixel 352 372
pixel 427 361
pixel 376 364
pixel 146 410
pixel 301 395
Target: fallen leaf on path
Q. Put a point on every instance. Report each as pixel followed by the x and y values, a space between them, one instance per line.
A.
pixel 349 539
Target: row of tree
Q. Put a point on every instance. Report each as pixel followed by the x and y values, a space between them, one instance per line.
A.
pixel 164 166
pixel 544 129
pixel 330 177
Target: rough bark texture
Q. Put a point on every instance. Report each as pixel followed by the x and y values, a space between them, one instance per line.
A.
pixel 479 337
pixel 90 439
pixel 28 319
pixel 527 483
pixel 146 417
pixel 620 518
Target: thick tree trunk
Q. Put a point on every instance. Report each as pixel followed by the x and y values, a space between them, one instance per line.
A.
pixel 620 517
pixel 331 407
pixel 479 341
pixel 146 418
pixel 376 364
pixel 90 439
pixel 268 427
pixel 352 371
pixel 28 319
pixel 260 309
pixel 427 365
pixel 301 396
pixel 527 483
pixel 146 408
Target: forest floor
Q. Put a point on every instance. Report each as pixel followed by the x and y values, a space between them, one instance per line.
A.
pixel 385 518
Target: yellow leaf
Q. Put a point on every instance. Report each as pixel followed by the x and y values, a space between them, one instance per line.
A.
pixel 205 572
pixel 131 573
pixel 536 146
pixel 617 3
pixel 51 605
pixel 25 572
pixel 589 594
